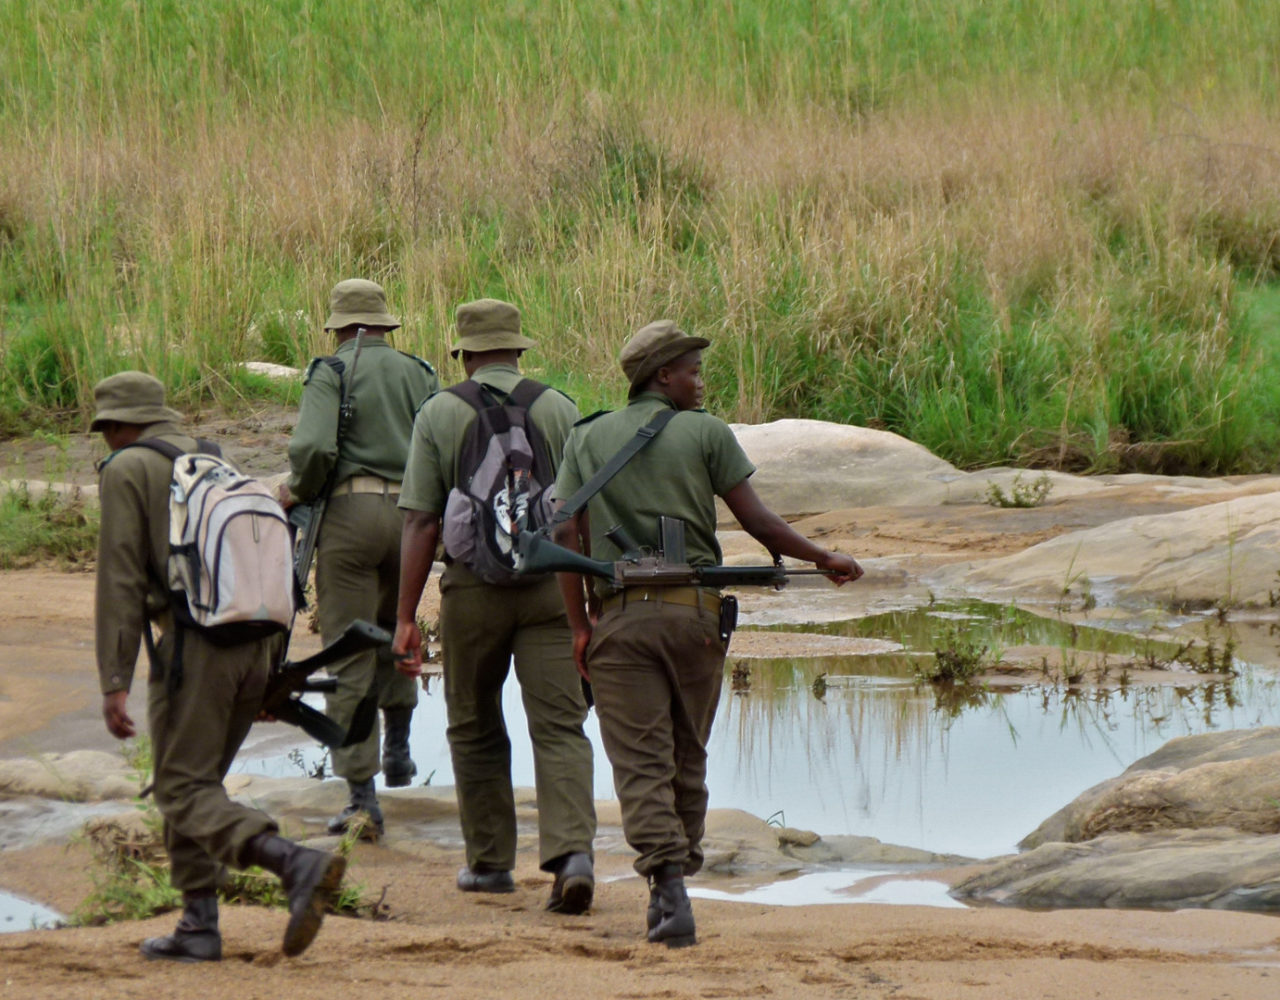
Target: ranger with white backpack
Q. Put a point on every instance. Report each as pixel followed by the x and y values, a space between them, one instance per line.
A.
pixel 219 638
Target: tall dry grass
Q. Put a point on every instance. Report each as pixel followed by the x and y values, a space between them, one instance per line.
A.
pixel 985 254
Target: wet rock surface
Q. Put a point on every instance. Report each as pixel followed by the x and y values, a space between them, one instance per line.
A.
pixel 1196 824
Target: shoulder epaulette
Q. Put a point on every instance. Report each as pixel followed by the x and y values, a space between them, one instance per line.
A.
pixel 422 361
pixel 591 417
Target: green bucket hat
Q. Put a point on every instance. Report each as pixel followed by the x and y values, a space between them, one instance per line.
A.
pixel 488 325
pixel 653 346
pixel 130 398
pixel 357 302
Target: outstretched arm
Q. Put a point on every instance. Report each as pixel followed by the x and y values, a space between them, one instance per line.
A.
pixel 780 538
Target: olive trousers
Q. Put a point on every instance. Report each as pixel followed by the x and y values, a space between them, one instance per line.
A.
pixel 483 629
pixel 195 733
pixel 656 673
pixel 358 576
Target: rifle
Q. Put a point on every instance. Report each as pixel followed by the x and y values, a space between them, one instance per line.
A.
pixel 665 568
pixel 305 518
pixel 290 680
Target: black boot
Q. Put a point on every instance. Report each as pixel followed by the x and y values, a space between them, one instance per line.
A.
pixel 675 924
pixel 311 881
pixel 574 885
pixel 196 938
pixel 653 915
pixel 363 799
pixel 398 767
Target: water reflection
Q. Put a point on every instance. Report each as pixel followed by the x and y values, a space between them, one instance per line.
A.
pixel 854 745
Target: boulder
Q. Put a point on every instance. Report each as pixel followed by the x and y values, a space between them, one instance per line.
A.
pixel 1211 780
pixel 78 776
pixel 1214 869
pixel 1195 824
pixel 1224 553
pixel 810 466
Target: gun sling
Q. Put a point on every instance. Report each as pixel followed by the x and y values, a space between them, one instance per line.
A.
pixel 612 467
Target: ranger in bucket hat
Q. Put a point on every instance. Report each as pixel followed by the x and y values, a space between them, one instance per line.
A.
pixel 488 325
pixel 655 654
pixel 485 626
pixel 360 460
pixel 357 302
pixel 130 398
pixel 197 721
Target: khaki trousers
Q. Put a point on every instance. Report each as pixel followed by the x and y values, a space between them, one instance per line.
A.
pixel 195 733
pixel 656 672
pixel 482 629
pixel 358 576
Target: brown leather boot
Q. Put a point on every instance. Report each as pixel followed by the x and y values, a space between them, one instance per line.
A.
pixel 311 879
pixel 196 938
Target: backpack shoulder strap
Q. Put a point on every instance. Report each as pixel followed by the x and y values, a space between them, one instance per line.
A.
pixel 611 468
pixel 171 451
pixel 470 391
pixel 526 393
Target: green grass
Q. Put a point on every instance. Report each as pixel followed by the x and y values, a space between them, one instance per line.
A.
pixel 46 527
pixel 1038 233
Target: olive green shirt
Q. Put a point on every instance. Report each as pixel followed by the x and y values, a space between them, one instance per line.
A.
pixel 387 390
pixel 679 473
pixel 133 551
pixel 441 427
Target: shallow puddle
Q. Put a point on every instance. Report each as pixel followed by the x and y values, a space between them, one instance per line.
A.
pixel 853 745
pixel 847 885
pixel 18 914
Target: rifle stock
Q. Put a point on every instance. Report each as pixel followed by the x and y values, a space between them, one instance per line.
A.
pixel 290 680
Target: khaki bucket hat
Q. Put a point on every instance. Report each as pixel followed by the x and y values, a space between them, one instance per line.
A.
pixel 489 325
pixel 130 398
pixel 357 302
pixel 653 346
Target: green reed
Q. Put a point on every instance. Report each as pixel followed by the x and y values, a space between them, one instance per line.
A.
pixel 1012 232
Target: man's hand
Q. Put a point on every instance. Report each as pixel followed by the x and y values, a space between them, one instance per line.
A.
pixel 581 639
pixel 118 722
pixel 840 568
pixel 406 647
pixel 284 496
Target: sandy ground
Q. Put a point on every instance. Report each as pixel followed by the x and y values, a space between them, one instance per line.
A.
pixel 439 942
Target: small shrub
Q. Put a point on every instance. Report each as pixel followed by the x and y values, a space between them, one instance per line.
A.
pixel 958 658
pixel 1020 494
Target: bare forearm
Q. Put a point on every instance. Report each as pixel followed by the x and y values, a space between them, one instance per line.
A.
pixel 418 542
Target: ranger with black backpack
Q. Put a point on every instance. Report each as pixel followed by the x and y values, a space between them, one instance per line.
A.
pixel 484 455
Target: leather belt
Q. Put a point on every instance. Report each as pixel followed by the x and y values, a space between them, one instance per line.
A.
pixel 688 597
pixel 367 484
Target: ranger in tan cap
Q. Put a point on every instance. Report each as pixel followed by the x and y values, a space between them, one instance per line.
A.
pixel 358 551
pixel 484 626
pixel 655 655
pixel 197 723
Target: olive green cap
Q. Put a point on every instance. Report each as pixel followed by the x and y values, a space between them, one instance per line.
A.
pixel 130 398
pixel 357 302
pixel 488 325
pixel 653 346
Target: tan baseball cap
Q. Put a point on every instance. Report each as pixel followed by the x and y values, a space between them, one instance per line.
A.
pixel 130 398
pixel 357 302
pixel 653 346
pixel 488 325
